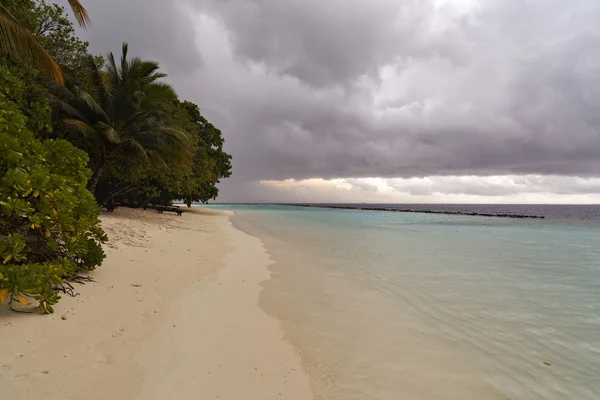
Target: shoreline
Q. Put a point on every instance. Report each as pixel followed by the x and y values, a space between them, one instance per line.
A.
pixel 354 343
pixel 167 317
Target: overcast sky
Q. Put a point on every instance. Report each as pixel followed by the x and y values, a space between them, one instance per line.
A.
pixel 383 100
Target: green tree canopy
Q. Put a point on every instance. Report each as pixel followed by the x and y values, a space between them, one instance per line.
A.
pixel 136 182
pixel 119 113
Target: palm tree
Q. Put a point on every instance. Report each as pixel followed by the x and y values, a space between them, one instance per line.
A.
pixel 16 41
pixel 119 110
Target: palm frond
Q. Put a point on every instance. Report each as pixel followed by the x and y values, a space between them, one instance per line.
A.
pixel 109 132
pixel 156 159
pixel 174 135
pixel 98 88
pixel 63 108
pixel 160 91
pixel 122 108
pixel 138 96
pixel 142 121
pixel 92 104
pixel 80 13
pixel 172 145
pixel 73 102
pixel 80 126
pixel 18 42
pixel 113 73
pixel 65 101
pixel 146 69
pixel 112 64
pixel 137 148
pixel 124 64
pixel 61 93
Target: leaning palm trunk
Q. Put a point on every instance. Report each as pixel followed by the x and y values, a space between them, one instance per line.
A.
pixel 93 182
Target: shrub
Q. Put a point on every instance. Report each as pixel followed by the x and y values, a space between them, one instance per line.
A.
pixel 20 84
pixel 49 226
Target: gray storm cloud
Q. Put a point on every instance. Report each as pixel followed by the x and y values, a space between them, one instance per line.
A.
pixel 156 29
pixel 414 88
pixel 326 42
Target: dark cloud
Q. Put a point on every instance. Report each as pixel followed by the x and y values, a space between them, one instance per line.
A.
pixel 415 88
pixel 155 29
pixel 323 42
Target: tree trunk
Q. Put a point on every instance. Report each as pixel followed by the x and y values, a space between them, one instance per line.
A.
pixel 91 186
pixel 144 203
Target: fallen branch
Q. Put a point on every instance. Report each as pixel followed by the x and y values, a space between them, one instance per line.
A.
pixel 68 289
pixel 81 279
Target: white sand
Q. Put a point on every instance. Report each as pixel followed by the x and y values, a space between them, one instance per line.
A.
pixel 192 329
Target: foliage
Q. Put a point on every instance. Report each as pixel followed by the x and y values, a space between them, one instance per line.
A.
pixel 18 43
pixel 80 13
pixel 49 227
pixel 21 85
pixel 209 164
pixel 18 40
pixel 142 143
pixel 129 122
pixel 119 113
pixel 136 182
pixel 56 33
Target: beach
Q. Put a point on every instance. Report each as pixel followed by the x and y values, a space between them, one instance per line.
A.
pixel 273 302
pixel 172 313
pixel 261 200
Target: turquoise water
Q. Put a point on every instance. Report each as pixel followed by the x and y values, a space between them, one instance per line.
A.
pixel 391 306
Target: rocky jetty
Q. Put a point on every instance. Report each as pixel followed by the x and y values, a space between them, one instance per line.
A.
pixel 477 214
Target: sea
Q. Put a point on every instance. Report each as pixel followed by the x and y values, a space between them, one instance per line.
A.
pixel 433 302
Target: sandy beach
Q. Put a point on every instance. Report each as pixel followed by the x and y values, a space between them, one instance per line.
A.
pixel 172 313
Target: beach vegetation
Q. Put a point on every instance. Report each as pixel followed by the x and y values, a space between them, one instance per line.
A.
pixel 21 82
pixel 49 226
pixel 79 131
pixel 118 114
pixel 137 182
pixel 18 39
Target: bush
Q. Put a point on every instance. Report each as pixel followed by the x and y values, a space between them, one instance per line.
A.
pixel 49 226
pixel 20 83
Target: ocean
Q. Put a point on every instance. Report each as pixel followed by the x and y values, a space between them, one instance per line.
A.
pixel 409 305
